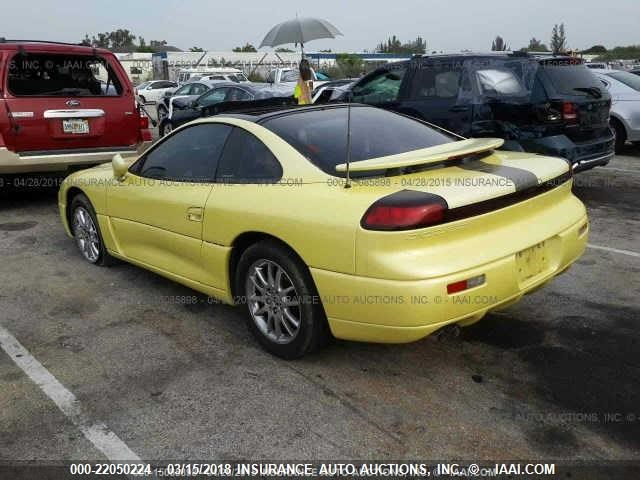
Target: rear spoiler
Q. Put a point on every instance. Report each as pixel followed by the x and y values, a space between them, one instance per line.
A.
pixel 438 154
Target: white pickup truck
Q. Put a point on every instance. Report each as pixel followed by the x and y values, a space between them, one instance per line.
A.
pixel 290 75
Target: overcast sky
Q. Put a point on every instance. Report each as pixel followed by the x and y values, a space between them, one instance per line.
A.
pixel 221 25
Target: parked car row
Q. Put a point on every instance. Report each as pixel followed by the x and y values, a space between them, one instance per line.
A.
pixel 184 108
pixel 77 101
pixel 547 105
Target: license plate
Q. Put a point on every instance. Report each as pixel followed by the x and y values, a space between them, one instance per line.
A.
pixel 75 125
pixel 532 261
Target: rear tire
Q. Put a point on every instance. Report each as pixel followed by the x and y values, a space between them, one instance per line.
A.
pixel 285 313
pixel 83 223
pixel 621 134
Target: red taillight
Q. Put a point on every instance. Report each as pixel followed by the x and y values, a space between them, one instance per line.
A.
pixel 569 112
pixel 405 210
pixel 144 121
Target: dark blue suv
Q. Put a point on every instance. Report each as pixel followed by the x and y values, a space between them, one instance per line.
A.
pixel 550 105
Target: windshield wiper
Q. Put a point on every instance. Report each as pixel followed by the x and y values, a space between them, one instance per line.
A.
pixel 593 91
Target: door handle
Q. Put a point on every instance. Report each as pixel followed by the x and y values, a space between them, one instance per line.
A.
pixel 194 214
pixel 459 108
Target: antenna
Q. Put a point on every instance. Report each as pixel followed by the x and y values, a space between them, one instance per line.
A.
pixel 348 179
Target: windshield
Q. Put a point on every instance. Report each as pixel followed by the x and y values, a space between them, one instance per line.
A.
pixel 629 79
pixel 321 135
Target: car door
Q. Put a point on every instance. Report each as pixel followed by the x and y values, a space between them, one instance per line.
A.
pixel 440 93
pixel 64 101
pixel 194 110
pixel 157 211
pixel 245 169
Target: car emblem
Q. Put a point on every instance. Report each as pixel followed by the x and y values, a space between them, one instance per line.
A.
pixel 72 103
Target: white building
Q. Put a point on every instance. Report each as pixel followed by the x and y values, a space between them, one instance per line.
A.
pixel 138 66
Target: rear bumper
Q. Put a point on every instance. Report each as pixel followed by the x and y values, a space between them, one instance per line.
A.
pixel 52 161
pixel 388 311
pixel 582 155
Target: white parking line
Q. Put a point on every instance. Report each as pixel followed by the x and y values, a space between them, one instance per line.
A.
pixel 96 432
pixel 614 250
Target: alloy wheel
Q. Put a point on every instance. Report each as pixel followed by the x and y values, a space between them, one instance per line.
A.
pixel 273 301
pixel 86 234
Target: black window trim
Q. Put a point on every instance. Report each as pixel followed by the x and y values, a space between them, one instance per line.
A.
pixel 97 55
pixel 224 148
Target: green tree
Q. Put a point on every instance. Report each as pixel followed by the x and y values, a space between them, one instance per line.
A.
pixel 394 45
pixel 596 49
pixel 499 45
pixel 196 49
pixel 350 64
pixel 246 48
pixel 284 50
pixel 536 45
pixel 558 39
pixel 123 40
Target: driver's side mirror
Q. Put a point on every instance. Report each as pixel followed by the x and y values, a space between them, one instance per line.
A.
pixel 120 167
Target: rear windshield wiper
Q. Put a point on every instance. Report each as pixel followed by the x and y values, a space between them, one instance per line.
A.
pixel 593 91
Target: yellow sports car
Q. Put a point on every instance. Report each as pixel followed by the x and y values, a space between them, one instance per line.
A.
pixel 381 232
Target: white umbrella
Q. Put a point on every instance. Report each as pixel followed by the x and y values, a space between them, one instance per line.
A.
pixel 299 30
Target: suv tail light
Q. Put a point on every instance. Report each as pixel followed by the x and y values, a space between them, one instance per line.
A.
pixel 405 210
pixel 569 112
pixel 144 120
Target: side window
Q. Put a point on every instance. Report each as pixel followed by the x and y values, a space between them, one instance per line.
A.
pixel 435 82
pixel 290 76
pixel 381 88
pixel 198 89
pixel 499 82
pixel 185 90
pixel 189 155
pixel 212 97
pixel 237 95
pixel 247 160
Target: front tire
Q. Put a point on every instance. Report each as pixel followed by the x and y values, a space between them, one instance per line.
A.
pixel 162 113
pixel 86 231
pixel 165 128
pixel 285 312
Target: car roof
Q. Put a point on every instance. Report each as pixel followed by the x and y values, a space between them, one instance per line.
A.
pixel 54 47
pixel 224 83
pixel 541 57
pixel 262 114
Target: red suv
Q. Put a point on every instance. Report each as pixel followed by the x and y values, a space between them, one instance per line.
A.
pixel 63 105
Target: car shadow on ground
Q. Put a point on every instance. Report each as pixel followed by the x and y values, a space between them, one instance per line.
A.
pixel 587 368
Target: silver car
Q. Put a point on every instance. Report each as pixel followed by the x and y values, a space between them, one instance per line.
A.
pixel 624 88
